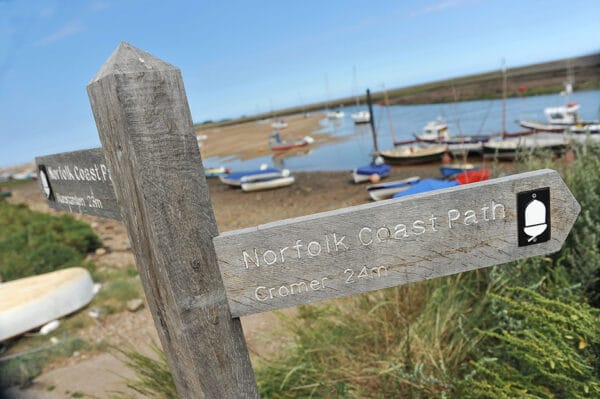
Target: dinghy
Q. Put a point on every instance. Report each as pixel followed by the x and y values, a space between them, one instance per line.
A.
pixel 364 173
pixel 31 302
pixel 382 191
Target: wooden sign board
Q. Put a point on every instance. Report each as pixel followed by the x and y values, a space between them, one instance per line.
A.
pixel 78 182
pixel 369 247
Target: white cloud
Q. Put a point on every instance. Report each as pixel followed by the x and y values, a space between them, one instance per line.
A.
pixel 67 30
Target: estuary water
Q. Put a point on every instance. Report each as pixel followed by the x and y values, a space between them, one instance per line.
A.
pixel 466 118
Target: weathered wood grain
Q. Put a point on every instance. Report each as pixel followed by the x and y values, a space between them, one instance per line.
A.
pixel 80 182
pixel 145 126
pixel 389 243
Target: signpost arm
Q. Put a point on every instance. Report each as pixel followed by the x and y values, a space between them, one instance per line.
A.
pixel 145 126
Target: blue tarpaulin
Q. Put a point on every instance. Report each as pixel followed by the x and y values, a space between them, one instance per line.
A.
pixel 426 185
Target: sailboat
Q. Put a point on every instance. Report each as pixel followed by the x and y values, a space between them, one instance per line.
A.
pixel 332 115
pixel 409 153
pixel 360 116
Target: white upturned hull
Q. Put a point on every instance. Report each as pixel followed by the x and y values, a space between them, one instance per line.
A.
pixel 268 184
pixel 31 302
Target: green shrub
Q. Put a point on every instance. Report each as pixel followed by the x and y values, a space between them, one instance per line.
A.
pixel 34 243
pixel 542 348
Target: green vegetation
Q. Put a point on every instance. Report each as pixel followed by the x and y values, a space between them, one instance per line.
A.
pixel 527 329
pixel 34 243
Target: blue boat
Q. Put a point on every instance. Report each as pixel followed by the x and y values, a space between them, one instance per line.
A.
pixel 426 185
pixel 362 174
pixel 236 179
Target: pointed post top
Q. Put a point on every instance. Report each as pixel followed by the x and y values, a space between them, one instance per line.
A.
pixel 128 59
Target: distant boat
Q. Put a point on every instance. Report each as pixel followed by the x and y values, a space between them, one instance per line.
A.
pixel 426 185
pixel 361 117
pixel 382 191
pixel 277 144
pixel 31 302
pixel 454 169
pixel 411 154
pixel 280 124
pixel 267 184
pixel 364 173
pixel 335 114
pixel 472 176
pixel 435 131
pixel 238 178
pixel 563 118
pixel 509 149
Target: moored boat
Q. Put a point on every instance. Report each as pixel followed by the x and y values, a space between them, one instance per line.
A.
pixel 561 119
pixel 361 117
pixel 236 179
pixel 411 154
pixel 509 149
pixel 280 124
pixel 335 114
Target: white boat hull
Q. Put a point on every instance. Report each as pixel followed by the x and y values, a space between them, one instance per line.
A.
pixel 268 184
pixel 31 302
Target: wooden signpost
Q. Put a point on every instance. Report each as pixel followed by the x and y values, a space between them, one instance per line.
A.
pixel 198 283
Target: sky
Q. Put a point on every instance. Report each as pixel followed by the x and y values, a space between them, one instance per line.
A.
pixel 245 57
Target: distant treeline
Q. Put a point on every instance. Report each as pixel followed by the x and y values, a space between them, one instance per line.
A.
pixel 536 79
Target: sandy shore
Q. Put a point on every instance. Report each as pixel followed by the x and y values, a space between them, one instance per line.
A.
pixel 251 139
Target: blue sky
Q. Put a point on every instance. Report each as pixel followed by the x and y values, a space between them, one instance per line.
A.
pixel 243 57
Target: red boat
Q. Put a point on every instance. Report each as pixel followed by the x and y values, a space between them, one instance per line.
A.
pixel 473 176
pixel 277 144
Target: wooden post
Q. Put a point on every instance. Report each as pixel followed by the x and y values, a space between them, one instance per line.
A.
pixel 145 126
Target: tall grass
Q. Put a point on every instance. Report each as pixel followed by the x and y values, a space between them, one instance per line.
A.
pixel 527 329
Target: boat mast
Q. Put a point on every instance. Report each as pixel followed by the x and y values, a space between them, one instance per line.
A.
pixel 372 120
pixel 503 96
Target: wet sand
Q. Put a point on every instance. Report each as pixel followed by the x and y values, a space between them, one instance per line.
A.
pixel 251 139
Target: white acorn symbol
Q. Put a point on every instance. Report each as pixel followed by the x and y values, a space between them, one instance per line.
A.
pixel 535 219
